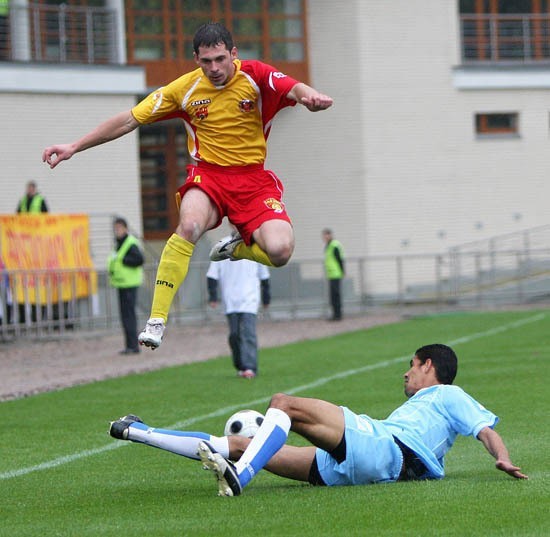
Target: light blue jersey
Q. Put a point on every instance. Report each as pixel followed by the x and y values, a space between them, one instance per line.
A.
pixel 427 423
pixel 430 420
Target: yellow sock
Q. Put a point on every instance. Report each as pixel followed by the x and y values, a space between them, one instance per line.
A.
pixel 252 252
pixel 172 270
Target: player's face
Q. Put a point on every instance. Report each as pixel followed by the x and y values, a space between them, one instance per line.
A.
pixel 217 63
pixel 414 378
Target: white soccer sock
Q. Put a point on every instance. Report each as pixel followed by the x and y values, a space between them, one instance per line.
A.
pixel 180 442
pixel 269 439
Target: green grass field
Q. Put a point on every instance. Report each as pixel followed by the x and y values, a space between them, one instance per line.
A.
pixel 61 474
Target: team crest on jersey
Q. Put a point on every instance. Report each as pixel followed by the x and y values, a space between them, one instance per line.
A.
pixel 275 205
pixel 202 112
pixel 246 105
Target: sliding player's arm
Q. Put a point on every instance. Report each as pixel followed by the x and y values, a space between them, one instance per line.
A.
pixel 495 446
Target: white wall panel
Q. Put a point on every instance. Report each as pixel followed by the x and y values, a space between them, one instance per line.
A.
pixel 104 179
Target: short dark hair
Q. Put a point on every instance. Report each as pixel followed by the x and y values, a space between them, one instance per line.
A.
pixel 121 221
pixel 212 34
pixel 443 358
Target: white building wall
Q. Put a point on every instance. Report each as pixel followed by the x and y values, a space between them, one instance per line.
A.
pixel 431 184
pixel 104 179
pixel 319 156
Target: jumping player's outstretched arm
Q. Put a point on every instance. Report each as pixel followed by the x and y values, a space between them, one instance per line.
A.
pixel 112 128
pixel 310 97
pixel 495 446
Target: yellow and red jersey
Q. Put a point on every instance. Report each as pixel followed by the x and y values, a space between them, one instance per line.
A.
pixel 226 125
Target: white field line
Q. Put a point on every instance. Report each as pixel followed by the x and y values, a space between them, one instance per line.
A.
pixel 225 411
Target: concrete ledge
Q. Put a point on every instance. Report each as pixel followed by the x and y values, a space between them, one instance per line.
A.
pixel 501 77
pixel 72 78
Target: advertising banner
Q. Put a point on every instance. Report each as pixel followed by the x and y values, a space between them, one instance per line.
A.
pixel 47 256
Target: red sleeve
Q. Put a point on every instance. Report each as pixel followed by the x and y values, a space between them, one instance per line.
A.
pixel 274 87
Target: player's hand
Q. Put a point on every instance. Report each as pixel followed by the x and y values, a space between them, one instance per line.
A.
pixel 317 102
pixel 510 469
pixel 55 154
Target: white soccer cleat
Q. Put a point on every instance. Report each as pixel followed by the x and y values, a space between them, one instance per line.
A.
pixel 152 333
pixel 228 479
pixel 224 248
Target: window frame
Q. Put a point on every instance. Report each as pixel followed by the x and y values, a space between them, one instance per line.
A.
pixel 172 150
pixel 488 39
pixel 175 44
pixel 483 128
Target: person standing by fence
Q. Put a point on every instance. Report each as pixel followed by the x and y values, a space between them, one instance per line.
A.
pixel 335 271
pixel 241 282
pixel 4 29
pixel 126 275
pixel 32 202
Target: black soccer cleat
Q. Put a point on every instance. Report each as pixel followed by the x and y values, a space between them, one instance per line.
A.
pixel 228 479
pixel 119 428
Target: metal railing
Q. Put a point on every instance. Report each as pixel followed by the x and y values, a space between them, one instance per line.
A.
pixel 505 38
pixel 524 239
pixel 406 283
pixel 62 34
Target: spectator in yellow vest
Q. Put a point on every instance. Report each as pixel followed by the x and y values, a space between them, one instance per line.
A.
pixel 32 201
pixel 126 275
pixel 335 271
pixel 4 29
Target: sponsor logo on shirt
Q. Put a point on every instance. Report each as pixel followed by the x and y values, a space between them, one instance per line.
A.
pixel 246 105
pixel 201 102
pixel 275 205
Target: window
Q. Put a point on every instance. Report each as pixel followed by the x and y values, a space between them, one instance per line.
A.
pixel 163 160
pixel 81 31
pixel 497 123
pixel 505 30
pixel 160 33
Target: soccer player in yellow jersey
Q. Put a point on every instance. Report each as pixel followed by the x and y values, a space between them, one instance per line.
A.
pixel 227 106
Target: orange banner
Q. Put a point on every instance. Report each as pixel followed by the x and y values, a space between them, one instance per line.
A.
pixel 48 255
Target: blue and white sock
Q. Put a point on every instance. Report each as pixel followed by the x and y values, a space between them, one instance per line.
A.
pixel 269 439
pixel 180 442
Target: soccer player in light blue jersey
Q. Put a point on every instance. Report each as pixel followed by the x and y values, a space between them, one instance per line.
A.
pixel 348 448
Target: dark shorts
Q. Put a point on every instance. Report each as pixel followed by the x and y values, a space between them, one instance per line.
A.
pixel 247 195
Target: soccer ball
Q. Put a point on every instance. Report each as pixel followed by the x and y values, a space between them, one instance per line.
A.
pixel 243 423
